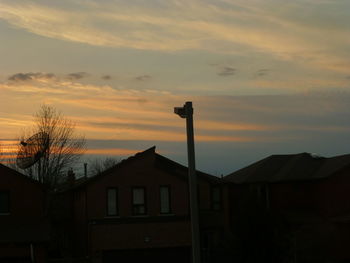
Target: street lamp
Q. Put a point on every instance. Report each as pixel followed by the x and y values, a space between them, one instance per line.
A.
pixel 187 112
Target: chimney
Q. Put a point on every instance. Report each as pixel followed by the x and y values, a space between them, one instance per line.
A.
pixel 85 170
pixel 71 176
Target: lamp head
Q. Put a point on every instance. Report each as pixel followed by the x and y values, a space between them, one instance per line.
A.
pixel 181 111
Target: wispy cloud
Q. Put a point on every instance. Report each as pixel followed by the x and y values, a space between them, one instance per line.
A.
pixel 114 113
pixel 77 75
pixel 48 77
pixel 294 31
pixel 227 71
pixel 31 76
pixel 143 77
pixel 137 119
pixel 108 151
pixel 106 77
pixel 262 72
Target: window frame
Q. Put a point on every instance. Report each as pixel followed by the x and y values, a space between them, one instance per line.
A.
pixel 116 201
pixel 7 193
pixel 133 205
pixel 169 200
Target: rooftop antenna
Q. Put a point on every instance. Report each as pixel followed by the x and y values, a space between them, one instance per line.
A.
pixel 32 149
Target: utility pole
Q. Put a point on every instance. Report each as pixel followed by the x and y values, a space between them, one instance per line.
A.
pixel 187 112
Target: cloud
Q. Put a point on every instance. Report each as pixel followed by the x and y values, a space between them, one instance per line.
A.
pixel 262 72
pixel 226 71
pixel 77 75
pixel 126 114
pixel 31 76
pixel 46 77
pixel 114 151
pixel 106 77
pixel 143 77
pixel 292 32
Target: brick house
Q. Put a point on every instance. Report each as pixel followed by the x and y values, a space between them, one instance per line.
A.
pixel 310 194
pixel 139 210
pixel 24 230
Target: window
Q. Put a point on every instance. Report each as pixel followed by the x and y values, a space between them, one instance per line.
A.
pixel 4 202
pixel 261 194
pixel 112 201
pixel 138 201
pixel 164 193
pixel 216 198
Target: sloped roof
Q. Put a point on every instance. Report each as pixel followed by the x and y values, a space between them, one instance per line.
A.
pixel 180 170
pixel 8 170
pixel 83 180
pixel 291 167
pixel 161 162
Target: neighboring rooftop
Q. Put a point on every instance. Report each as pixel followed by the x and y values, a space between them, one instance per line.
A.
pixel 289 167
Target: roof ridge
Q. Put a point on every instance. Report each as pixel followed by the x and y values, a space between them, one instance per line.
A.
pixel 116 166
pixel 301 166
pixel 136 155
pixel 289 154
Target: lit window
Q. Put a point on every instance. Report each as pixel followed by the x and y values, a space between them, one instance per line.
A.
pixel 138 201
pixel 112 201
pixel 4 202
pixel 216 198
pixel 164 192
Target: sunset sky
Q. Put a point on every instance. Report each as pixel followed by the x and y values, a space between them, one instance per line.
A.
pixel 265 76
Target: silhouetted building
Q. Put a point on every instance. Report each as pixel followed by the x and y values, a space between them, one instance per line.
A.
pixel 301 201
pixel 139 210
pixel 24 230
pixel 285 207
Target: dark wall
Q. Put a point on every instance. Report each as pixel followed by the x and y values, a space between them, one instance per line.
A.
pixel 97 232
pixel 26 196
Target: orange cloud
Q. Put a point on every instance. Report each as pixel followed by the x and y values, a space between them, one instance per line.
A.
pixel 225 126
pixel 120 114
pixel 111 151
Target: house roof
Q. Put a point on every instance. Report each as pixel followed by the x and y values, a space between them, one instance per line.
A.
pixel 8 170
pixel 181 170
pixel 289 167
pixel 86 180
pixel 161 162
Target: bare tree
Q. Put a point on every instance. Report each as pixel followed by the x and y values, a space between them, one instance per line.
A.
pixel 98 165
pixel 64 146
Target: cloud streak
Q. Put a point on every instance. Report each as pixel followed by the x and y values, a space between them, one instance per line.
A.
pixel 227 71
pixel 143 118
pixel 108 151
pixel 106 77
pixel 77 75
pixel 223 26
pixel 31 76
pixel 143 78
pixel 147 115
pixel 262 72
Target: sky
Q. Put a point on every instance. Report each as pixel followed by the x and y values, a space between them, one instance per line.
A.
pixel 265 76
